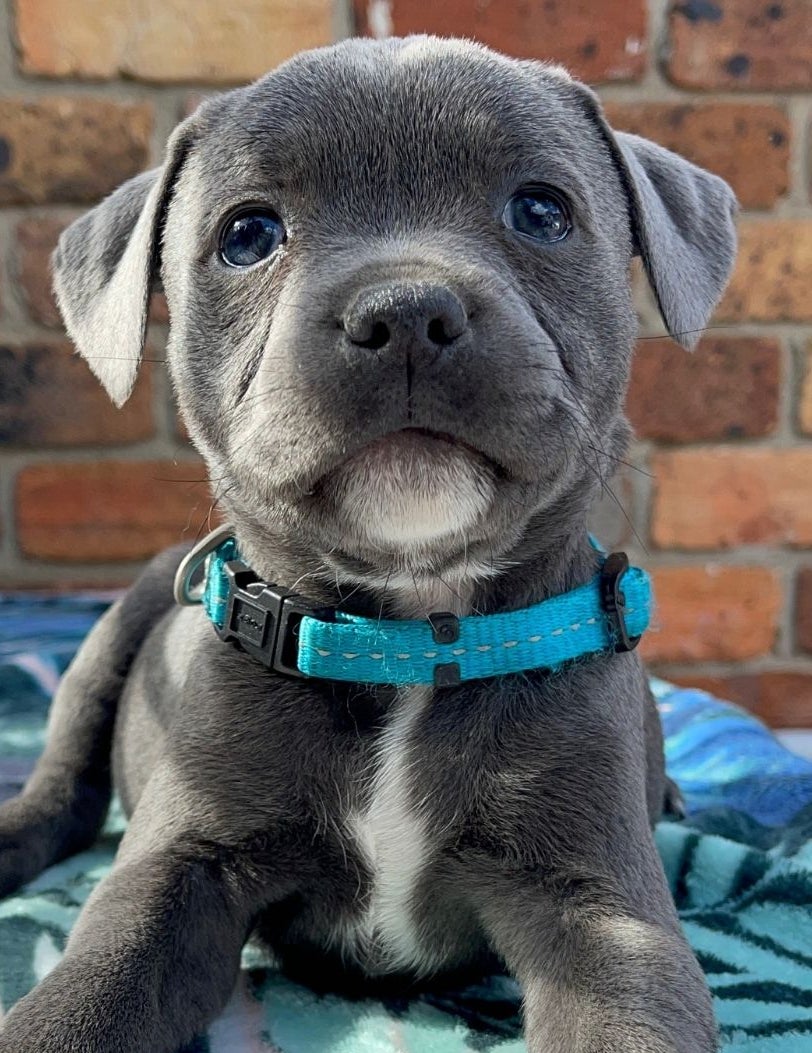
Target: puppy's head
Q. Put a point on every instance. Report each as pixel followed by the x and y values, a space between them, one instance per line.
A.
pixel 398 281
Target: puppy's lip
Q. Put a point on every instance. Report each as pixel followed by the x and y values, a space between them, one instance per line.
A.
pixel 443 438
pixel 420 440
pixel 439 436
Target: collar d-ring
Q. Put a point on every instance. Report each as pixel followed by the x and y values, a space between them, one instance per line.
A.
pixel 188 594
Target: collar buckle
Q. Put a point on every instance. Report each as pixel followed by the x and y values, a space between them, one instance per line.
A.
pixel 613 600
pixel 263 620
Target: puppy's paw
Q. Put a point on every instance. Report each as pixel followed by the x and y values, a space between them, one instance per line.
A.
pixel 39 1024
pixel 67 1012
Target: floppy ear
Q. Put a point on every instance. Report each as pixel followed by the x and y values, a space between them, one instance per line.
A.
pixel 684 228
pixel 104 267
pixel 683 224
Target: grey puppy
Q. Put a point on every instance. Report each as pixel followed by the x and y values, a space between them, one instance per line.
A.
pixel 405 368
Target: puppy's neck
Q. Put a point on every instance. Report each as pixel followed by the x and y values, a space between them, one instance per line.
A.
pixel 402 595
pixel 542 565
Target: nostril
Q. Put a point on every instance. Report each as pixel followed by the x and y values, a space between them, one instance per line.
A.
pixel 402 315
pixel 378 337
pixel 438 332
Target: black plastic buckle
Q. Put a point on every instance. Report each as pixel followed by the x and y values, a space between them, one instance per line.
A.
pixel 263 620
pixel 614 601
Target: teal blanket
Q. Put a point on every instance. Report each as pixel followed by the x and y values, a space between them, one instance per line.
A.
pixel 740 869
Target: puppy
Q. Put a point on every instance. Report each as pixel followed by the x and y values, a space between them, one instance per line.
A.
pixel 401 329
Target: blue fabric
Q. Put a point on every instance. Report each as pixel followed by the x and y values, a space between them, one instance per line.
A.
pixel 378 651
pixel 215 591
pixel 739 867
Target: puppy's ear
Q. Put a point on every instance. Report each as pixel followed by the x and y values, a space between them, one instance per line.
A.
pixel 684 229
pixel 683 224
pixel 104 267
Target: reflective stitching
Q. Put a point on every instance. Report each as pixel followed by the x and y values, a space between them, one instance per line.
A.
pixel 482 648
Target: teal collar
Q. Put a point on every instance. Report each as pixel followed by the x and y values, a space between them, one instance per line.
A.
pixel 295 637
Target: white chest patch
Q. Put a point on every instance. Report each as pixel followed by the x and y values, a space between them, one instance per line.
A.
pixel 392 836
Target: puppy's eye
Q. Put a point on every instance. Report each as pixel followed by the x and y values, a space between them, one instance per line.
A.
pixel 250 237
pixel 539 214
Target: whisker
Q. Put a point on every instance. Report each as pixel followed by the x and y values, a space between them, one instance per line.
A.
pixel 689 332
pixel 606 488
pixel 383 597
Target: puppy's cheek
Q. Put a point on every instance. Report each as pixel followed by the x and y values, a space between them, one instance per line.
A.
pixel 404 502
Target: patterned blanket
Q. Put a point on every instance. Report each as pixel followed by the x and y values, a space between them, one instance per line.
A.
pixel 740 869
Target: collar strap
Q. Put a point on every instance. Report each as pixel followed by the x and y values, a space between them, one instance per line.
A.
pixel 295 637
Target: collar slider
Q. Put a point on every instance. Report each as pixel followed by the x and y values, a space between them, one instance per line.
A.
pixel 445 627
pixel 613 600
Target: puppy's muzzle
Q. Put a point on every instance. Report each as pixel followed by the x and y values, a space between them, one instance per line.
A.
pixel 405 317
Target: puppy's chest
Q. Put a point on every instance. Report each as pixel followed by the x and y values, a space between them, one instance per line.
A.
pixel 392 833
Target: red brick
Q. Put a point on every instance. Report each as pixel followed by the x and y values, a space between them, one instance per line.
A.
pixel 598 40
pixel 69 149
pixel 158 309
pixel 727 389
pixel 773 273
pixel 719 498
pixel 167 40
pixel 49 397
pixel 104 511
pixel 36 239
pixel 713 613
pixel 746 144
pixel 193 101
pixel 781 699
pixel 740 44
pixel 805 408
pixel 803 610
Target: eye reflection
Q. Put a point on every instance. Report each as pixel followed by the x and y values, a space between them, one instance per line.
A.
pixel 251 237
pixel 538 214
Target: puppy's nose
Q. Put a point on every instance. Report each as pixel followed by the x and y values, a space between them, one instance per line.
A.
pixel 405 314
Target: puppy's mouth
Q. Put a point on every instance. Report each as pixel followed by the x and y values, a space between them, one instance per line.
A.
pixel 413 487
pixel 425 442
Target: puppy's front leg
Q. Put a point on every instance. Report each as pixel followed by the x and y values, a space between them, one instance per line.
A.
pixel 153 959
pixel 602 972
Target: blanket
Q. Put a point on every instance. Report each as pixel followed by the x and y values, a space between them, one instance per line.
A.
pixel 739 867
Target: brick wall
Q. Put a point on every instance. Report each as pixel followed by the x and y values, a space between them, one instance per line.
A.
pixel 718 497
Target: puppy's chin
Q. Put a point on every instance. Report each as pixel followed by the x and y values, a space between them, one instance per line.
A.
pixel 410 489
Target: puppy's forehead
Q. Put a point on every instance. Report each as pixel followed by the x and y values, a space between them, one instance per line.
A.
pixel 421 114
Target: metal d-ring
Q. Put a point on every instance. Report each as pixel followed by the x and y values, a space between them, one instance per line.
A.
pixel 185 593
